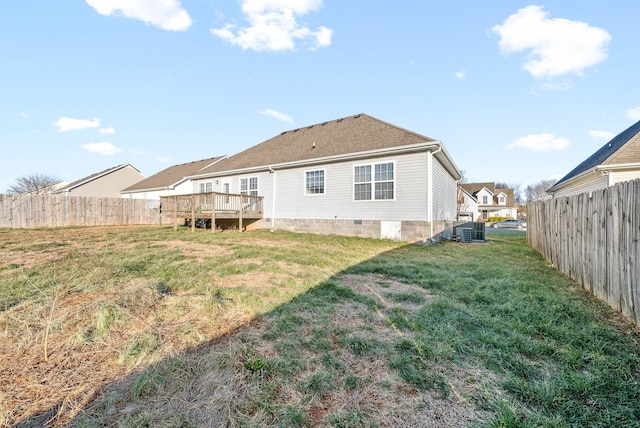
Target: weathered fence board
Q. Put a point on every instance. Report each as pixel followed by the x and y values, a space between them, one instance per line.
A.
pixel 594 238
pixel 32 211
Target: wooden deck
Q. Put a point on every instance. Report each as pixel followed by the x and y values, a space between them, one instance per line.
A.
pixel 212 206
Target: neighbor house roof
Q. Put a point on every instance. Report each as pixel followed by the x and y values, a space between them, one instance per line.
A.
pixel 172 175
pixel 474 188
pixel 614 152
pixel 325 141
pixel 95 176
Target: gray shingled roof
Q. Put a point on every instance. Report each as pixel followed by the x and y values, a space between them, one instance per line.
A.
pixel 604 153
pixel 349 135
pixel 172 175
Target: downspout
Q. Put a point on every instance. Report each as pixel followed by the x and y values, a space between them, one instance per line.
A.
pixel 273 198
pixel 430 190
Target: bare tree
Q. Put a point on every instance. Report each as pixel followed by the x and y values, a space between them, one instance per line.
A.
pixel 463 175
pixel 37 184
pixel 517 191
pixel 538 191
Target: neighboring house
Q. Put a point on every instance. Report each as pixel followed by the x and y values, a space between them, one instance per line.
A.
pixel 107 183
pixel 170 181
pixel 481 201
pixel 615 162
pixel 356 176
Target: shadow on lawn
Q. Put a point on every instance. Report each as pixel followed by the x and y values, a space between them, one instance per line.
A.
pixel 311 359
pixel 451 335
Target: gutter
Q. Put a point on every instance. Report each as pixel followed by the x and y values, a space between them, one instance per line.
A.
pixel 598 169
pixel 273 198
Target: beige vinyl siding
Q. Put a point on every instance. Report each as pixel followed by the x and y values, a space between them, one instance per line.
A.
pixel 621 176
pixel 108 185
pixel 586 184
pixel 444 193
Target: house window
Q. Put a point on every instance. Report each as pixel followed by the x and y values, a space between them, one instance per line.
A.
pixel 485 200
pixel 249 186
pixel 206 187
pixel 501 200
pixel 377 186
pixel 314 182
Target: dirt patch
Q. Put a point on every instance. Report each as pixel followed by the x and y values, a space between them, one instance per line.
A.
pixel 195 249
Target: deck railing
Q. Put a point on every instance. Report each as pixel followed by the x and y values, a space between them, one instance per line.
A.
pixel 212 205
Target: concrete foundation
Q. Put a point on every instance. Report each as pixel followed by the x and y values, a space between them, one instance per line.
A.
pixel 408 231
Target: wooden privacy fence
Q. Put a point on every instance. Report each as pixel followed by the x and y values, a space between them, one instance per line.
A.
pixel 594 238
pixel 29 211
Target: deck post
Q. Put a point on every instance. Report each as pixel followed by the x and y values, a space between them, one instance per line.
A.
pixel 193 213
pixel 213 213
pixel 175 213
pixel 240 216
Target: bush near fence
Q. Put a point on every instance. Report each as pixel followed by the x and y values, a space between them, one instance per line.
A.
pixel 594 237
pixel 31 211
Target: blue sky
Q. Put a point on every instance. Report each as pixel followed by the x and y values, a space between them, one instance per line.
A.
pixel 517 91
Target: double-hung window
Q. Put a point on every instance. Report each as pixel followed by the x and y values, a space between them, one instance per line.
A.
pixel 374 182
pixel 314 182
pixel 249 186
pixel 206 187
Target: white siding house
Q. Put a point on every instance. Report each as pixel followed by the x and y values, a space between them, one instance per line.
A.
pixel 356 176
pixel 615 162
pixel 481 201
pixel 169 181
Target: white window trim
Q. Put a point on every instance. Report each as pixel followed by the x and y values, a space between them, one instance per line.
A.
pixel 204 183
pixel 223 182
pixel 248 178
pixel 304 183
pixel 373 181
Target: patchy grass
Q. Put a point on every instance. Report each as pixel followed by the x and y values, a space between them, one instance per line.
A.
pixel 151 327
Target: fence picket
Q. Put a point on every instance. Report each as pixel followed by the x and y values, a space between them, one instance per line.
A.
pixel 594 238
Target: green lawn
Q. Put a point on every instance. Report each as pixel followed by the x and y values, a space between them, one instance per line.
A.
pixel 151 327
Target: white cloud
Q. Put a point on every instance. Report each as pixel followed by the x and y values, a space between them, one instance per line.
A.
pixel 560 86
pixel 540 143
pixel 163 160
pixel 106 131
pixel 601 135
pixel 634 113
pixel 23 114
pixel 165 14
pixel 66 124
pixel 557 46
pixel 461 75
pixel 103 148
pixel 274 26
pixel 280 116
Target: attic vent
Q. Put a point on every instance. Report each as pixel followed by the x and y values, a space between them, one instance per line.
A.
pixel 356 116
pixel 310 127
pixel 283 133
pixel 323 123
pixel 339 120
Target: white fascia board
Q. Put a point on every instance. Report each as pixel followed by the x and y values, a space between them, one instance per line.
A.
pixel 617 166
pixel 573 179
